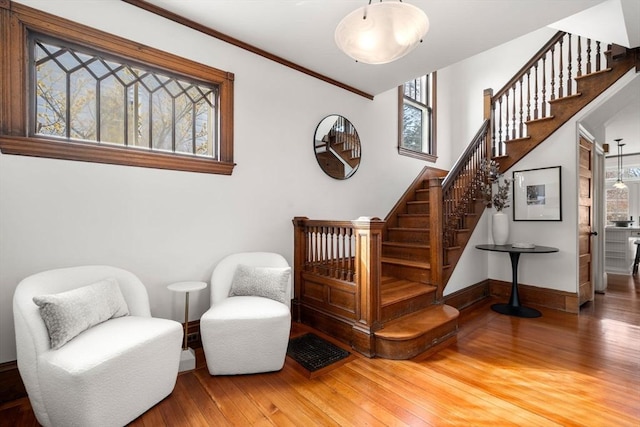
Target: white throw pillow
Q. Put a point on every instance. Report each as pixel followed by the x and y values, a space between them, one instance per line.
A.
pixel 267 282
pixel 67 314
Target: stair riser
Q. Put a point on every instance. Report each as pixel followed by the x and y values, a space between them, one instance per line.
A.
pixel 413 221
pixel 407 349
pixel 412 254
pixel 422 195
pixel 407 273
pixel 418 208
pixel 411 305
pixel 409 236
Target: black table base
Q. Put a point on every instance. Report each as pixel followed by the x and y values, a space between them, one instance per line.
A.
pixel 513 308
pixel 521 311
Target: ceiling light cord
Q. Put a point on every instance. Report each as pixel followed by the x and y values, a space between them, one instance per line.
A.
pixel 619 183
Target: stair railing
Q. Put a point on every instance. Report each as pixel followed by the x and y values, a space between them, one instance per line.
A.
pixel 344 140
pixel 549 75
pixel 462 187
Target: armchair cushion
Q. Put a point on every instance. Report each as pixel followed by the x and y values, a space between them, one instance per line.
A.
pixel 69 313
pixel 267 282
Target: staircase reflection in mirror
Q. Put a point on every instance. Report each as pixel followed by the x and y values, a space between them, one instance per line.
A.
pixel 337 147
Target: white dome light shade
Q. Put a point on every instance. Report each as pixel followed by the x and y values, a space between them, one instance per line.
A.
pixel 381 32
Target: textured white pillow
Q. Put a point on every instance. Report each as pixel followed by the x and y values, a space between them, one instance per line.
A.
pixel 67 314
pixel 268 282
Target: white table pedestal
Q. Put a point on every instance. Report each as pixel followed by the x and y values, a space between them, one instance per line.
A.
pixel 187 360
pixel 188 356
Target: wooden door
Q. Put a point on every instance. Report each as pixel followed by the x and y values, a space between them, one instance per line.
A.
pixel 585 221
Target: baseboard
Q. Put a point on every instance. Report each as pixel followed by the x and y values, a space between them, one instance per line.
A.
pixel 468 296
pixel 11 386
pixel 533 295
pixel 530 295
pixel 194 328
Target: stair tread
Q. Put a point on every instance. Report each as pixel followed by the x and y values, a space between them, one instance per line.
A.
pixel 406 262
pixel 394 290
pixel 424 229
pixel 420 215
pixel 418 323
pixel 405 244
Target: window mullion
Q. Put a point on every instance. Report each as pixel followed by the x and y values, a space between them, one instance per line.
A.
pixel 173 124
pixel 125 107
pixel 67 113
pixel 194 136
pixel 98 111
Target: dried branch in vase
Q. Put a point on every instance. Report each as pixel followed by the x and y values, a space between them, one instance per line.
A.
pixel 491 176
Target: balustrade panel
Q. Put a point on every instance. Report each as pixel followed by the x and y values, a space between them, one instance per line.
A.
pixel 329 250
pixel 549 76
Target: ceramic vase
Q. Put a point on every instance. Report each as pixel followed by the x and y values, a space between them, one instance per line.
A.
pixel 500 228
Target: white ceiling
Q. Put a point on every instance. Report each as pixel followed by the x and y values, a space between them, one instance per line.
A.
pixel 302 31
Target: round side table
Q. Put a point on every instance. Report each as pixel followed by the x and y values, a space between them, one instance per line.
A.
pixel 187 357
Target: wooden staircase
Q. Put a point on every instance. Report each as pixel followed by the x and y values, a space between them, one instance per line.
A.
pixel 378 285
pixel 347 147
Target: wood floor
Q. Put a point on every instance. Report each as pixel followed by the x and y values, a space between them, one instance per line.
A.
pixel 557 370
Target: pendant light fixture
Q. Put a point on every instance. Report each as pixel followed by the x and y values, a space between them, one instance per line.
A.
pixel 382 32
pixel 619 184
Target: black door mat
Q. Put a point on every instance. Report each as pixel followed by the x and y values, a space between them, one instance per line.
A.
pixel 313 352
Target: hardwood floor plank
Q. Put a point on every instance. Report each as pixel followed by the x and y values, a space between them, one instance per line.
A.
pixel 202 400
pixel 456 404
pixel 227 398
pixel 334 405
pixel 366 403
pixel 268 400
pixel 372 391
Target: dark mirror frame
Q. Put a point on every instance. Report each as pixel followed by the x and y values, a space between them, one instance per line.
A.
pixel 337 146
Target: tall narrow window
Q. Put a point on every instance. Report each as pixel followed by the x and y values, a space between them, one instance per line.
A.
pixel 416 113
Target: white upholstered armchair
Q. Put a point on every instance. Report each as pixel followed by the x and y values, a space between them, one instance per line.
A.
pixel 246 329
pixel 80 369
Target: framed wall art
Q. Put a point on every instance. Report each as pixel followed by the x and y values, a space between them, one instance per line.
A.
pixel 537 194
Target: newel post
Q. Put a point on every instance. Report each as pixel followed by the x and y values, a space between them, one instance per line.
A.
pixel 368 232
pixel 299 248
pixel 488 115
pixel 436 234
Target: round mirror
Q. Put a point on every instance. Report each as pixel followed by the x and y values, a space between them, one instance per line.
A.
pixel 337 147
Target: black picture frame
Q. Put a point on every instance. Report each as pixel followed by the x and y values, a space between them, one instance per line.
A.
pixel 537 194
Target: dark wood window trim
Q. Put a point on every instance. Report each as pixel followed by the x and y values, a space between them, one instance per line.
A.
pixel 429 157
pixel 17 20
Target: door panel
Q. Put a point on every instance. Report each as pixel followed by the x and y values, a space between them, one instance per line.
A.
pixel 585 222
